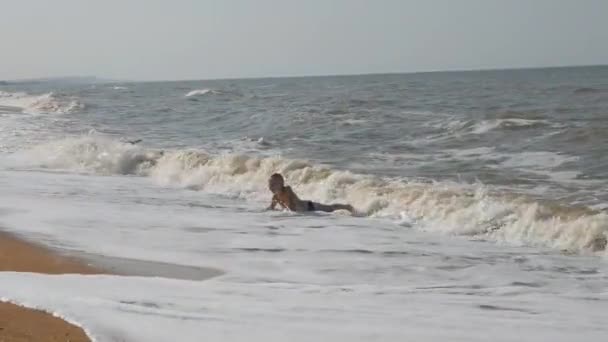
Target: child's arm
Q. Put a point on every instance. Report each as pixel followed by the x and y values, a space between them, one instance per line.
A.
pixel 273 203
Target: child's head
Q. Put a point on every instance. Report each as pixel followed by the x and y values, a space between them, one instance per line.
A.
pixel 276 183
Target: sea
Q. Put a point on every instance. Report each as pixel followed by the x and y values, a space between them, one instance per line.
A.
pixel 481 205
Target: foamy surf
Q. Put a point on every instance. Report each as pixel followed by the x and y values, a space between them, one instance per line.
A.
pixel 447 250
pixel 199 92
pixel 473 210
pixel 40 104
pixel 486 126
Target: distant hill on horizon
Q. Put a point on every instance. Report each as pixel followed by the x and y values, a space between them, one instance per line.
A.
pixel 65 79
pixel 97 80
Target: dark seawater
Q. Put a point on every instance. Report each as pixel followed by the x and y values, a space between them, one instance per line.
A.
pixel 514 127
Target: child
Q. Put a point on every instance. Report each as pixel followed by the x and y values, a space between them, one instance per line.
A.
pixel 284 196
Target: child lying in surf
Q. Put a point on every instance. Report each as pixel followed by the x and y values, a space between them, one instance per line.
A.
pixel 284 196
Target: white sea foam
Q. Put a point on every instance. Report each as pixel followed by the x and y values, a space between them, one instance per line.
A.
pixel 39 104
pixel 89 153
pixel 452 208
pixel 287 277
pixel 545 163
pixel 138 309
pixel 539 159
pixel 200 92
pixel 486 126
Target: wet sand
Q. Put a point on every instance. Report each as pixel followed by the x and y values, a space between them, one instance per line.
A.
pixel 17 255
pixel 20 324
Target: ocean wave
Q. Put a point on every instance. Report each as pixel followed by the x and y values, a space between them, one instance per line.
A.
pixel 515 114
pixel 537 160
pixel 40 104
pixel 452 208
pixel 486 126
pixel 201 92
pixel 91 153
pixel 479 127
pixel 354 122
pixel 587 90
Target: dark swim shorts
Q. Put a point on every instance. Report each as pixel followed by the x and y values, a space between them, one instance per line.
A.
pixel 311 206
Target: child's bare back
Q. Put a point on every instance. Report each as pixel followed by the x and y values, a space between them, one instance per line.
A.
pixel 286 198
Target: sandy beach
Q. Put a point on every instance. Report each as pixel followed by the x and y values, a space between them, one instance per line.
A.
pixel 21 324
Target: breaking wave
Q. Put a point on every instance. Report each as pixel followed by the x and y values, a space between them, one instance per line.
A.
pixel 479 127
pixel 452 208
pixel 512 123
pixel 201 92
pixel 40 104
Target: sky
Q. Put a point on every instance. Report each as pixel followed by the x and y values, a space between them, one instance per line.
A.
pixel 204 39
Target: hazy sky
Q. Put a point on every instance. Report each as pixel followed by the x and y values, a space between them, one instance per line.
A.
pixel 194 39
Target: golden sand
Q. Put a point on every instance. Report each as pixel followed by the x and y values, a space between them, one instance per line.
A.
pixel 20 324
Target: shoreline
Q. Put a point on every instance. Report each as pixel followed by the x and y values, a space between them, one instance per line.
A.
pixel 20 254
pixel 18 323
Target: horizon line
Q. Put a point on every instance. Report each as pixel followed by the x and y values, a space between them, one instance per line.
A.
pixel 372 73
pixel 102 79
